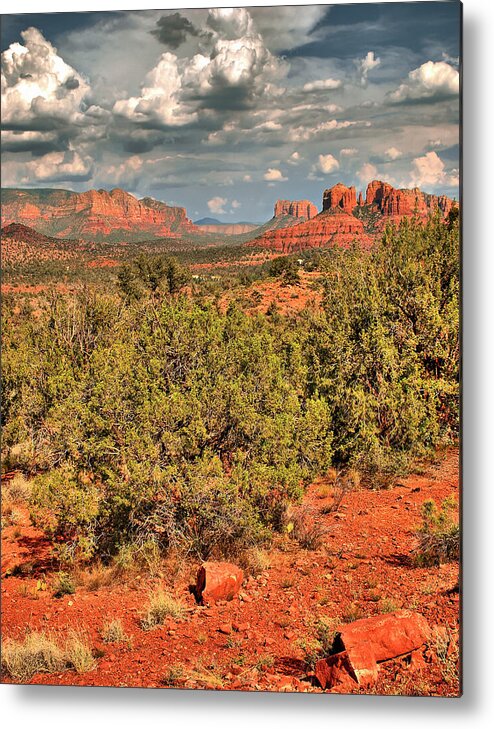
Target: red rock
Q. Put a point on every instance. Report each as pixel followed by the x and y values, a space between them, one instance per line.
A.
pixel 336 671
pixel 340 196
pixel 372 640
pixel 395 204
pixel 218 581
pixel 331 227
pixel 296 208
pixel 225 628
pixel 94 215
pixel 360 199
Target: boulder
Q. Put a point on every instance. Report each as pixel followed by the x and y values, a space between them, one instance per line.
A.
pixel 365 643
pixel 218 581
pixel 336 672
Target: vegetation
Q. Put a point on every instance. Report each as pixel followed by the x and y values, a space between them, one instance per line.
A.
pixel 160 607
pixel 151 420
pixel 439 535
pixel 43 653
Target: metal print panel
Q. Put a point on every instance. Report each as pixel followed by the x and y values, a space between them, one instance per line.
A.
pixel 231 280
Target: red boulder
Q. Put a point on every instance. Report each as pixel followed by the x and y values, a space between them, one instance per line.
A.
pixel 218 581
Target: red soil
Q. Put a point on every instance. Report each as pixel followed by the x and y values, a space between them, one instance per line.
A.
pixel 363 566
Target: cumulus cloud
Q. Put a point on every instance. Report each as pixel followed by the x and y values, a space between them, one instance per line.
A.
pixel 322 85
pixel 236 204
pixel 430 171
pixel 393 153
pixel 327 164
pixel 430 81
pixel 40 90
pixel 367 173
pixel 22 141
pixel 294 158
pixel 274 175
pixel 367 64
pixel 60 167
pixel 217 205
pixel 161 97
pixel 238 70
pixel 172 30
pixel 348 152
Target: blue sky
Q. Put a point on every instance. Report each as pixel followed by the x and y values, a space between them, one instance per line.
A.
pixel 225 111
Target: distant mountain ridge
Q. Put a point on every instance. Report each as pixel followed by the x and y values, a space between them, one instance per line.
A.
pixel 96 215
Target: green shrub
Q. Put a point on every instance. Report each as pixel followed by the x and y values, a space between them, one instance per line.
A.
pixel 439 534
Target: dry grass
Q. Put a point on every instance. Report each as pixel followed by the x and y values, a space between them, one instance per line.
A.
pixel 255 560
pixel 44 653
pixel 97 576
pixel 78 652
pixel 307 529
pixel 161 605
pixel 113 632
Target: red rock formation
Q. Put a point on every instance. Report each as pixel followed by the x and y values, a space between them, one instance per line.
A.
pixel 340 196
pixel 296 208
pixel 331 227
pixel 376 192
pixel 396 203
pixel 95 214
pixel 360 199
pixel 218 581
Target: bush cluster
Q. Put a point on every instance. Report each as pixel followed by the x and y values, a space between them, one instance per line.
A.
pixel 159 419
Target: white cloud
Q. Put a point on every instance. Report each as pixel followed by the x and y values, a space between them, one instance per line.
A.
pixel 367 64
pixel 323 85
pixel 37 85
pixel 393 153
pixel 237 70
pixel 274 175
pixel 327 164
pixel 430 171
pixel 217 205
pixel 430 80
pixel 367 173
pixel 236 204
pixel 294 158
pixel 59 166
pixel 247 178
pixel 348 152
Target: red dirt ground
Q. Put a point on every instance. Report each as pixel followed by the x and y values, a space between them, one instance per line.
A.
pixel 362 569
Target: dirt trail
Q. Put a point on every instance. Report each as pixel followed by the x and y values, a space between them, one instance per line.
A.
pixel 255 642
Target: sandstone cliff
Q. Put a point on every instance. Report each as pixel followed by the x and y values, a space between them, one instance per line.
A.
pixel 94 215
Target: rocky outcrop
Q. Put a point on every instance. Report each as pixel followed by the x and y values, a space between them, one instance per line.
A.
pixel 331 227
pixel 296 208
pixel 340 196
pixel 344 221
pixel 218 581
pixel 94 215
pixel 397 203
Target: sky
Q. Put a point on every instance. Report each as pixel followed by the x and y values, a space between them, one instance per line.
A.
pixel 227 110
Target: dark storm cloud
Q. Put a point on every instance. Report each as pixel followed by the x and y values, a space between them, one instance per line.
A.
pixel 172 30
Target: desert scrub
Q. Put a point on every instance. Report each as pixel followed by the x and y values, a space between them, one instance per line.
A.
pixel 113 632
pixel 78 652
pixel 64 585
pixel 45 653
pixel 306 528
pixel 255 560
pixel 161 605
pixel 439 534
